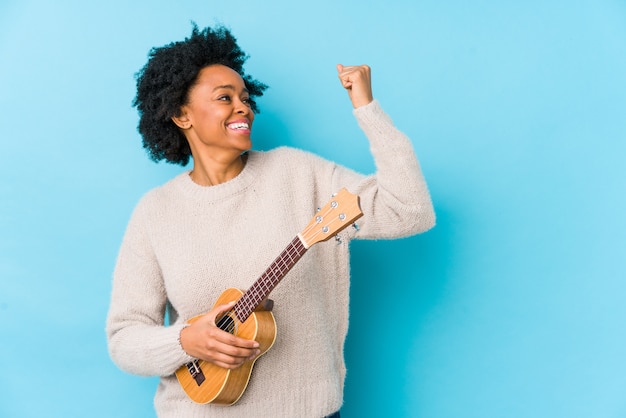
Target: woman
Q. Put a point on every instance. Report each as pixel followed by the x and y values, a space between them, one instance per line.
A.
pixel 222 223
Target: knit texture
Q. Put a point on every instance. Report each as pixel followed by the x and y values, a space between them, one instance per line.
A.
pixel 186 243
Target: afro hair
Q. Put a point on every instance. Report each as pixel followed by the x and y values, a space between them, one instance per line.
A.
pixel 164 82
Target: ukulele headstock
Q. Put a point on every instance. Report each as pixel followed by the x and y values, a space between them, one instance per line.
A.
pixel 341 211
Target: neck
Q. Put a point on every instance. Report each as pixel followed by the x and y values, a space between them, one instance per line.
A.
pixel 212 172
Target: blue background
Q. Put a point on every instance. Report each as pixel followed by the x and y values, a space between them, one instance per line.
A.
pixel 513 306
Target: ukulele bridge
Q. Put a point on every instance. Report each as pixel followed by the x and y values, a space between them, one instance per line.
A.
pixel 196 372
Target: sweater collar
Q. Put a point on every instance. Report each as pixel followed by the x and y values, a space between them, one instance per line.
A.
pixel 224 190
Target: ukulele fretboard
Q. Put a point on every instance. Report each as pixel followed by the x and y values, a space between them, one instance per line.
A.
pixel 264 285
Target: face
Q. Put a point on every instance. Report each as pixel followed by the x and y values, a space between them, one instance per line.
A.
pixel 217 118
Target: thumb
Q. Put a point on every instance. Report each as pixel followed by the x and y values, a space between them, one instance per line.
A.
pixel 225 307
pixel 339 68
pixel 218 310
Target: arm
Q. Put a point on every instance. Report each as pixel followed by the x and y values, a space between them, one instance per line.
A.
pixel 395 200
pixel 138 340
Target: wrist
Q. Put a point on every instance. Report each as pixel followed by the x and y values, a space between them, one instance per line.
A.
pixel 360 103
pixel 183 338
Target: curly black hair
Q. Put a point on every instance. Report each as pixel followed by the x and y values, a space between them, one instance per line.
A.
pixel 164 82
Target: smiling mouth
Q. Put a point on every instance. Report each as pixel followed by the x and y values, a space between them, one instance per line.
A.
pixel 239 126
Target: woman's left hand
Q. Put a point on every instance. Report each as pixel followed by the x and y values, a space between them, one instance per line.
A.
pixel 357 80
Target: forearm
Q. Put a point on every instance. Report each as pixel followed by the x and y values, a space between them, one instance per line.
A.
pixel 146 350
pixel 395 201
pixel 138 340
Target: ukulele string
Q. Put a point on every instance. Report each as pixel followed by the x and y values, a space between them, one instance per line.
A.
pixel 259 290
pixel 318 228
pixel 229 322
pixel 273 274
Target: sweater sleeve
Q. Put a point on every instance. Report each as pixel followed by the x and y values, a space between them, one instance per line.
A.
pixel 395 200
pixel 138 340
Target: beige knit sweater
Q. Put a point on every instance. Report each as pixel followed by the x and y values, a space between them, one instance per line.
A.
pixel 186 243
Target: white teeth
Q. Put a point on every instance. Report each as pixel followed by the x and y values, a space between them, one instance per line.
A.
pixel 239 125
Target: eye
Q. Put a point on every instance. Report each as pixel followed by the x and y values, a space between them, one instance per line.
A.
pixel 224 98
pixel 248 101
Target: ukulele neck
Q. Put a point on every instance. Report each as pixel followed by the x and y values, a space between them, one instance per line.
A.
pixel 264 285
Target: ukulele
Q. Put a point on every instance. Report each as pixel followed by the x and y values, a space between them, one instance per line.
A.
pixel 251 317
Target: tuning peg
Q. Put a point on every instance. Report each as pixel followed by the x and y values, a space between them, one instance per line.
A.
pixel 355 226
pixel 338 240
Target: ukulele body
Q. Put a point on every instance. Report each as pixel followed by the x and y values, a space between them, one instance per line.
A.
pixel 225 386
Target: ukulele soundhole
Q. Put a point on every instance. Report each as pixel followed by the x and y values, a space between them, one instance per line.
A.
pixel 228 323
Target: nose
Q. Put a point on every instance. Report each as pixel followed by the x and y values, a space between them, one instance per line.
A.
pixel 242 108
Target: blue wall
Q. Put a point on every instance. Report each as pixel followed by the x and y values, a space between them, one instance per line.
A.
pixel 513 306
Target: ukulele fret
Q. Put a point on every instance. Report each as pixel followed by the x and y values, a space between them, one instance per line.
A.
pixel 259 291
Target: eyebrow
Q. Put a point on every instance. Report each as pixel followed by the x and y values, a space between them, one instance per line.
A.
pixel 229 87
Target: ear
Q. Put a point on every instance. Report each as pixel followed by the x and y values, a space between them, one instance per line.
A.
pixel 182 119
